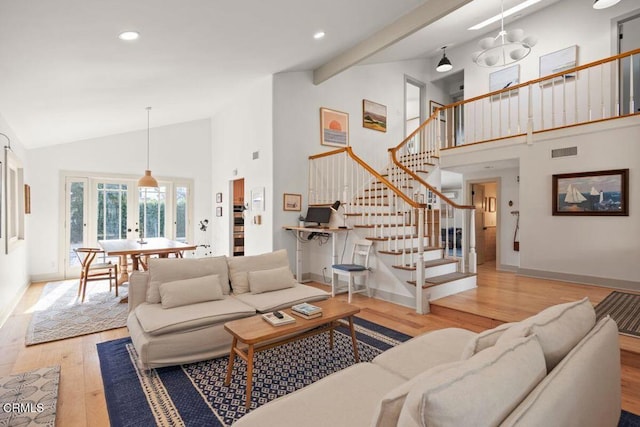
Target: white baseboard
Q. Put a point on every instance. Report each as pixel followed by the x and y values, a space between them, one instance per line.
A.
pixel 49 277
pixel 585 280
pixel 13 302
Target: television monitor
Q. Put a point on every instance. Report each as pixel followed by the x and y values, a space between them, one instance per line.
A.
pixel 318 214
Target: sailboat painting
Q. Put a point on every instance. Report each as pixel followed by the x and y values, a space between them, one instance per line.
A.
pixel 591 193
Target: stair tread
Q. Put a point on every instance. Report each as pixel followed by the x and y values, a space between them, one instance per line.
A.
pixel 383 239
pixel 445 278
pixel 430 263
pixel 410 250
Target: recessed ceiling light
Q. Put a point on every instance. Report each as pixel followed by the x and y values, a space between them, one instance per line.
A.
pixel 503 15
pixel 129 35
pixel 319 35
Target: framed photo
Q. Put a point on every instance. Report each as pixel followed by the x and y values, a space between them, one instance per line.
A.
pixel 601 193
pixel 374 115
pixel 218 197
pixel 556 62
pixel 492 204
pixel 219 211
pixel 503 79
pixel 334 128
pixel 292 202
pixel 433 105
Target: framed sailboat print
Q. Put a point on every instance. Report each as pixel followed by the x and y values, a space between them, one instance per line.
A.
pixel 600 193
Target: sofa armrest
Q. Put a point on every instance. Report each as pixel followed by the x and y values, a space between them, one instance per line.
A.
pixel 138 284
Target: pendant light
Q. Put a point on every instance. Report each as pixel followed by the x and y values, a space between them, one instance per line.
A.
pixel 147 180
pixel 444 64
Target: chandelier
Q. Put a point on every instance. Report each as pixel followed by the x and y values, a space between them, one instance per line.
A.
pixel 507 48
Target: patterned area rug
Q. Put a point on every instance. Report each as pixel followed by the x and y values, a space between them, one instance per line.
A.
pixel 624 308
pixel 59 313
pixel 30 398
pixel 195 394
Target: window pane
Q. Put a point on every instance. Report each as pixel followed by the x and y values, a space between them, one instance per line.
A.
pixel 76 220
pixel 181 214
pixel 112 211
pixel 152 211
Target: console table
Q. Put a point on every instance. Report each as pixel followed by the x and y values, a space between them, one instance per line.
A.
pixel 300 232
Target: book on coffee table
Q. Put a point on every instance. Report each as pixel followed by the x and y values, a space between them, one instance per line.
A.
pixel 307 316
pixel 307 309
pixel 271 318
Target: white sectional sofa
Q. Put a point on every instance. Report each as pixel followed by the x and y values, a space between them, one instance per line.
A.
pixel 178 308
pixel 557 368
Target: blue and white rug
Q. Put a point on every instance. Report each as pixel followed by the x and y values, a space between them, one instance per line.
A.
pixel 195 394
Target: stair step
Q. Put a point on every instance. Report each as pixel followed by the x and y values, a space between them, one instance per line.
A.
pixel 372 196
pixel 384 187
pixel 410 250
pixel 382 225
pixel 440 280
pixel 384 239
pixel 427 264
pixel 375 214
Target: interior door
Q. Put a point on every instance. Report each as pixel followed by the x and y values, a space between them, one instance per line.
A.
pixel 76 211
pixel 477 194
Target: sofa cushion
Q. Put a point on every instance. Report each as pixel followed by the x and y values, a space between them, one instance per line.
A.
pixel 240 266
pixel 162 270
pixel 347 398
pixel 481 391
pixel 269 301
pixel 270 280
pixel 484 339
pixel 389 407
pixel 190 291
pixel 425 351
pixel 156 320
pixel 559 328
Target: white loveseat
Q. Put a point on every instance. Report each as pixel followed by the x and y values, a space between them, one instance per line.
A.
pixel 557 368
pixel 178 308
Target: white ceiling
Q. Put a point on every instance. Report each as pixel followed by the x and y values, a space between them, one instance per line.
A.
pixel 65 76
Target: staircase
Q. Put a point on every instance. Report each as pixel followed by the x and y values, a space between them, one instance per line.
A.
pixel 402 215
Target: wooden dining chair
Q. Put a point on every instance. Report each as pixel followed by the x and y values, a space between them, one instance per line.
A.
pixel 92 270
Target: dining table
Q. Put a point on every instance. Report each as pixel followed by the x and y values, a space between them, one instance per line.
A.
pixel 137 249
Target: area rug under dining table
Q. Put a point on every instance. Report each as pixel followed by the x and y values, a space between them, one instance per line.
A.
pixel 195 394
pixel 60 314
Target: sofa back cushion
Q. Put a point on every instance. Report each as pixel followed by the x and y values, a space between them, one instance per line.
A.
pixel 484 339
pixel 270 280
pixel 481 391
pixel 239 267
pixel 162 270
pixel 190 291
pixel 558 328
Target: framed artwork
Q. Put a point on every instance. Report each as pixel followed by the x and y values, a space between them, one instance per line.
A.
pixel 503 79
pixel 558 61
pixel 219 211
pixel 257 199
pixel 492 204
pixel 218 197
pixel 292 202
pixel 601 193
pixel 433 105
pixel 374 115
pixel 334 128
pixel 27 199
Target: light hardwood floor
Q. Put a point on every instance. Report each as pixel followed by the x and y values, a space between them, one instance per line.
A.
pixel 500 297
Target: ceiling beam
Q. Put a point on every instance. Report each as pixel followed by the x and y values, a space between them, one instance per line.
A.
pixel 420 17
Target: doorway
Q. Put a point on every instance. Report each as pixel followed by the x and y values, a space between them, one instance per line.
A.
pixel 237 232
pixel 629 39
pixel 485 199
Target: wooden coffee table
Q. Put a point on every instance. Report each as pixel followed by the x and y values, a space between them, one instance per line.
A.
pixel 253 334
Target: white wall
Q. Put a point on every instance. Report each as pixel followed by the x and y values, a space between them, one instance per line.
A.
pixel 242 128
pixel 14 274
pixel 176 151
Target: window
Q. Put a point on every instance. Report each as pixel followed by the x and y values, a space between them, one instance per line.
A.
pixel 14 179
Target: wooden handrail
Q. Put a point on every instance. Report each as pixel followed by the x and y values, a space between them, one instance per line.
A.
pixel 542 79
pixel 373 172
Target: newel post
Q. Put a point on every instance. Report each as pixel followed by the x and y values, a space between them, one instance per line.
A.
pixel 473 257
